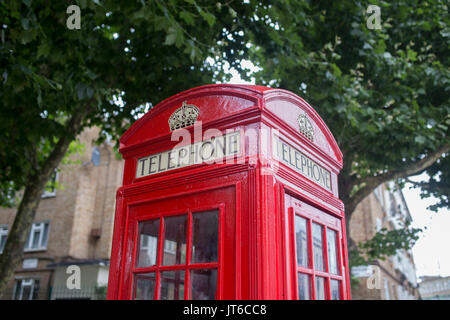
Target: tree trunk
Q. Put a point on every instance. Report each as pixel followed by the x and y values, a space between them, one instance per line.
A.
pixel 13 252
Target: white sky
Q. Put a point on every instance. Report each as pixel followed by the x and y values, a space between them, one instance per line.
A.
pixel 432 251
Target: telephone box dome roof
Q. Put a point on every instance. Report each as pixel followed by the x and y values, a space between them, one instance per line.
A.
pixel 217 102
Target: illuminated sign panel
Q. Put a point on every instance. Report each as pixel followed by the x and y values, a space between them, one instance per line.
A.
pixel 205 151
pixel 302 164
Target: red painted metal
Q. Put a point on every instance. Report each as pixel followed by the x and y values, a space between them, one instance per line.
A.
pixel 256 196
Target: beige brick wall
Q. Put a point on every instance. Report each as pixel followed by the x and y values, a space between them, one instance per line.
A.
pixel 363 226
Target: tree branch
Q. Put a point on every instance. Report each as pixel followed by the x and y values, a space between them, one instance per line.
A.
pixel 370 183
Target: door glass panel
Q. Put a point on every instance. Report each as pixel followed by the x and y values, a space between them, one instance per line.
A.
pixel 148 243
pixel 145 286
pixel 320 288
pixel 304 287
pixel 335 290
pixel 172 285
pixel 205 236
pixel 317 231
pixel 332 251
pixel 301 237
pixel 175 240
pixel 203 284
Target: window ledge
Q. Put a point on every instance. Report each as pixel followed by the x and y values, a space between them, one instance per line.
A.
pixel 35 250
pixel 48 195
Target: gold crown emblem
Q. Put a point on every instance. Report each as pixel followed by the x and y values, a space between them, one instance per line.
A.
pixel 306 127
pixel 184 116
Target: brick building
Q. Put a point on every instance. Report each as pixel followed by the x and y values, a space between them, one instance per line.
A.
pixel 73 226
pixel 394 278
pixel 435 288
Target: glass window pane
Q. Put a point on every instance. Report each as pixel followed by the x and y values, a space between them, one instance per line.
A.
pixel 332 251
pixel 45 236
pixel 148 243
pixel 145 286
pixel 203 284
pixel 172 285
pixel 304 287
pixel 320 288
pixel 36 236
pixel 317 231
pixel 335 290
pixel 301 236
pixel 18 290
pixel 205 236
pixel 35 289
pixel 26 292
pixel 175 240
pixel 2 242
pixel 27 242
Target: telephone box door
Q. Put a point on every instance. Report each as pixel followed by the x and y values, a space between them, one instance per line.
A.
pixel 316 243
pixel 181 247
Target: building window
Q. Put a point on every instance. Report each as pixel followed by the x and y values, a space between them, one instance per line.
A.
pixel 379 195
pixel 170 247
pixel 26 289
pixel 50 188
pixel 378 224
pixel 38 237
pixel 386 290
pixel 3 236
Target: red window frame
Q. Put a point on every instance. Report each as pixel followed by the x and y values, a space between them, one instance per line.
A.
pixel 187 266
pixel 310 270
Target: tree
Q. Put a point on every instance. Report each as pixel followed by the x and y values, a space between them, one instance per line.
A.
pixel 384 92
pixel 58 80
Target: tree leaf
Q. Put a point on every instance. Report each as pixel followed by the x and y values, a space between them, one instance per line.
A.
pixel 208 17
pixel 171 37
pixel 188 17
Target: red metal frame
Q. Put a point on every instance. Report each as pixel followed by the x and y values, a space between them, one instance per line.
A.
pixel 187 266
pixel 257 254
pixel 310 270
pixel 139 214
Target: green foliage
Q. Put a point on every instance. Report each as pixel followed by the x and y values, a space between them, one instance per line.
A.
pixel 438 184
pixel 126 56
pixel 100 292
pixel 75 150
pixel 354 282
pixel 383 93
pixel 383 244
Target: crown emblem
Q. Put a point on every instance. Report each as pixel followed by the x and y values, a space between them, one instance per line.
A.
pixel 184 116
pixel 306 127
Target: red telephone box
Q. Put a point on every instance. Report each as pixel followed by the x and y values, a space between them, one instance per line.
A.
pixel 229 192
